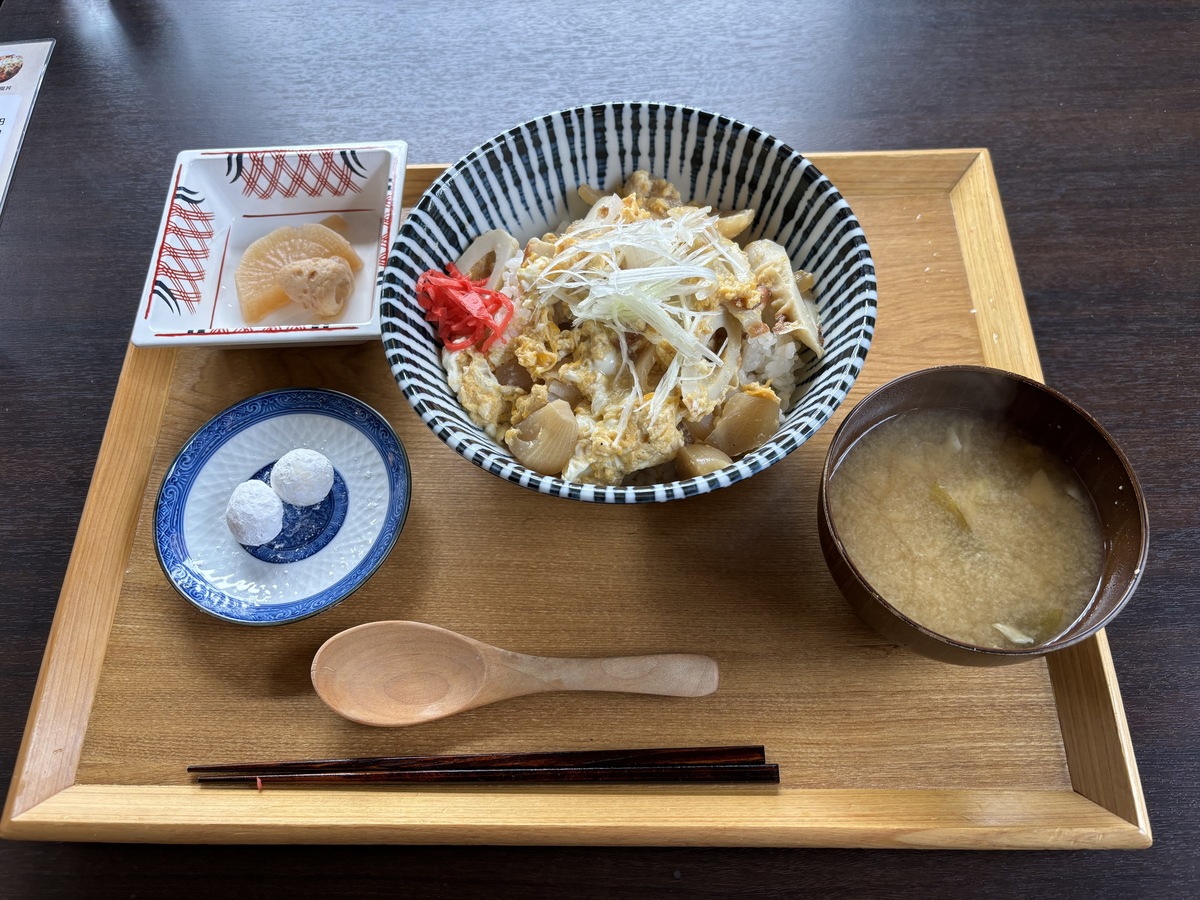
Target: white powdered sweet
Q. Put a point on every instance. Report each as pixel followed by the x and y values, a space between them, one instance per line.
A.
pixel 254 513
pixel 302 477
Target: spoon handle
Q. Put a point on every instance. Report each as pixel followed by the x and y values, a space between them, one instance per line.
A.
pixel 666 674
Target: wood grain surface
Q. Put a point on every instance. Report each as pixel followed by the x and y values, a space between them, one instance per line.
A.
pixel 1089 111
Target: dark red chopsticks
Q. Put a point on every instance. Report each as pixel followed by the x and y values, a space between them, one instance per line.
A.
pixel 726 765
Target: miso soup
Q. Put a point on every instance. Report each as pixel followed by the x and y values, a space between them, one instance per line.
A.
pixel 967 528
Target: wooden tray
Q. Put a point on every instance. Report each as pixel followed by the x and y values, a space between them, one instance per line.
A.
pixel 878 747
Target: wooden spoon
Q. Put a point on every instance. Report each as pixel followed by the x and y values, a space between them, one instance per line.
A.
pixel 404 673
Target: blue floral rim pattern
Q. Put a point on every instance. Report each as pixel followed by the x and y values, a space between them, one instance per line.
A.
pixel 169 510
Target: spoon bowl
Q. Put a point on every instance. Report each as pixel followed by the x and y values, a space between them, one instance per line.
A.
pixel 405 673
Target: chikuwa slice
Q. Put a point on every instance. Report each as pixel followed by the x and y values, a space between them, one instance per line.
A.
pixel 257 277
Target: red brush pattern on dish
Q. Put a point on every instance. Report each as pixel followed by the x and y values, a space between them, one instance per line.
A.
pixel 305 212
pixel 387 221
pixel 269 329
pixel 286 150
pixel 220 271
pixel 316 174
pixel 185 247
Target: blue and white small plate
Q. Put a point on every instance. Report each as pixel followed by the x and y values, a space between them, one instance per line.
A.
pixel 326 551
pixel 221 201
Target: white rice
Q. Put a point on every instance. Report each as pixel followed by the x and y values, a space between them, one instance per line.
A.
pixel 771 359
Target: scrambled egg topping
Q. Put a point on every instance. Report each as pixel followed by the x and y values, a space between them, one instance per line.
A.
pixel 487 401
pixel 607 452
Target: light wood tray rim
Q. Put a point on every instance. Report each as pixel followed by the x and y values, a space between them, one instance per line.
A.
pixel 1105 809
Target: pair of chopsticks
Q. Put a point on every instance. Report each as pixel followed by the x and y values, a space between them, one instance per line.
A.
pixel 726 765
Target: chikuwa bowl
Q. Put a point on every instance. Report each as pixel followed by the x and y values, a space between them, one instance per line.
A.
pixel 1048 419
pixel 526 181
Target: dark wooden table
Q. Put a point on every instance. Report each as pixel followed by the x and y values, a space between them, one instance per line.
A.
pixel 1091 111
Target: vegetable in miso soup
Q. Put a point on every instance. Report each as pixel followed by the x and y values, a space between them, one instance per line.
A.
pixel 967 528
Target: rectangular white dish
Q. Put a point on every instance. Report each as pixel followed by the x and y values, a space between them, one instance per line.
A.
pixel 220 201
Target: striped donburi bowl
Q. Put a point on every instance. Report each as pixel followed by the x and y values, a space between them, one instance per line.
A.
pixel 525 182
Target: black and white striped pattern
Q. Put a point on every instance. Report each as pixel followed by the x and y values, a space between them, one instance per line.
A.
pixel 525 181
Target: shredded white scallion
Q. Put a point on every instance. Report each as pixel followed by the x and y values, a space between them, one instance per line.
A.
pixel 652 276
pixel 641 273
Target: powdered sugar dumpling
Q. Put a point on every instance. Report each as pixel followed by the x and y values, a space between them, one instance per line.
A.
pixel 302 477
pixel 254 513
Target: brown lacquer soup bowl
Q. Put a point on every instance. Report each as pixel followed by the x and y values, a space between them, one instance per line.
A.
pixel 1045 418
